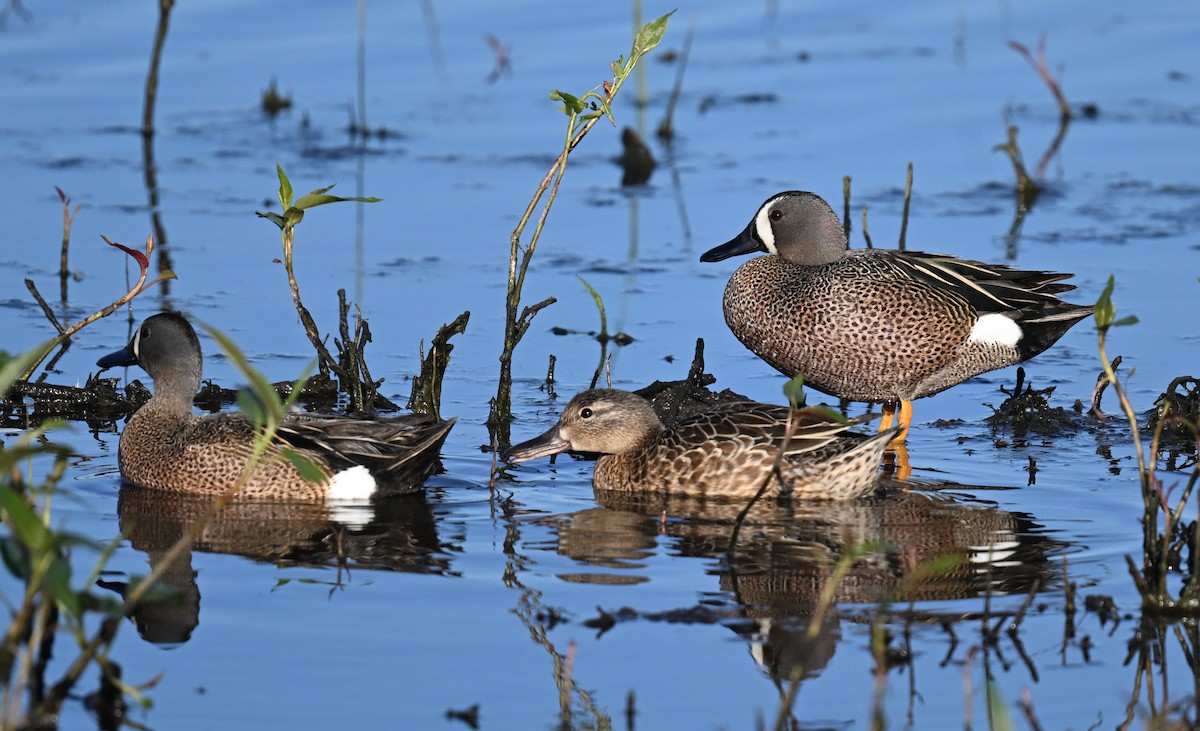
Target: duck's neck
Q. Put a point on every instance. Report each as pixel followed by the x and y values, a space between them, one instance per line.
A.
pixel 174 392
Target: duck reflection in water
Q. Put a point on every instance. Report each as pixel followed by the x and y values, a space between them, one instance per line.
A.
pixel 788 551
pixel 396 534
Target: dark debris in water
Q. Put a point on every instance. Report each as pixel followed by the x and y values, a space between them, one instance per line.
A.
pixel 712 101
pixel 698 614
pixel 637 163
pixel 1028 410
pixel 469 716
pixel 100 402
pixel 675 399
pixel 1182 400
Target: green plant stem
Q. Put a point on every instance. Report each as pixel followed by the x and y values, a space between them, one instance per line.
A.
pixel 325 362
pixel 578 127
pixel 1149 500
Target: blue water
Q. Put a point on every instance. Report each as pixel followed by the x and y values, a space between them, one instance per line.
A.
pixel 448 601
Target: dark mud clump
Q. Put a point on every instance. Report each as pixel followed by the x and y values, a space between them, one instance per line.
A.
pixel 1178 437
pixel 1028 410
pixel 676 399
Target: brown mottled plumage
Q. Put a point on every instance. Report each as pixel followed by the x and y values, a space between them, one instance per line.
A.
pixel 729 450
pixel 167 447
pixel 879 325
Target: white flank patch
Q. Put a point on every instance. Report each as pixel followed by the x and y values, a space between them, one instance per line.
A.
pixel 996 328
pixel 758 649
pixel 354 517
pixel 762 225
pixel 995 555
pixel 349 485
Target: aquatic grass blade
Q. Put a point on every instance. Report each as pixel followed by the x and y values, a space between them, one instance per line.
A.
pixel 305 466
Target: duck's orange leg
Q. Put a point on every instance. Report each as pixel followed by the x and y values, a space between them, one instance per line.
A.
pixel 903 421
pixel 889 413
pixel 897 445
pixel 898 454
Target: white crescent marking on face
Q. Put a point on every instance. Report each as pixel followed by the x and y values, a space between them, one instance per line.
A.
pixel 137 343
pixel 762 226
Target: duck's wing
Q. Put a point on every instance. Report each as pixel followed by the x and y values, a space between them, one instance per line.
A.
pixel 392 446
pixel 987 287
pixel 752 423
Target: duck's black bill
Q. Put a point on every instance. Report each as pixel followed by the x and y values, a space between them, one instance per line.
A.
pixel 540 446
pixel 123 357
pixel 743 243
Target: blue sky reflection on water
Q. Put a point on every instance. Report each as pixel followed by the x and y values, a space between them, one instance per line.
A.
pixel 442 605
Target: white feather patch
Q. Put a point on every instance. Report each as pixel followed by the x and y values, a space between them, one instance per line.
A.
pixel 762 225
pixel 996 328
pixel 354 483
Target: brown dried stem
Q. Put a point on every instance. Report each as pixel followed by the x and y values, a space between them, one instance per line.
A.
pixel 1043 70
pixel 143 260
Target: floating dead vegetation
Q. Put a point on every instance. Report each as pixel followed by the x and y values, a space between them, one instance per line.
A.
pixel 1027 410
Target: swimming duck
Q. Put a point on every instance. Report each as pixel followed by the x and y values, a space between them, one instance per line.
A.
pixel 728 450
pixel 167 447
pixel 880 325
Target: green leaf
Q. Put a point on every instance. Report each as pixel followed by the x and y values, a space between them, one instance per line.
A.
pixel 998 713
pixel 158 591
pixel 794 391
pixel 1127 320
pixel 599 305
pixel 58 585
pixel 824 412
pixel 1105 310
pixel 15 558
pixel 572 105
pixel 274 218
pixel 26 525
pixel 298 385
pixel 251 407
pixel 267 400
pixel 650 34
pixel 293 216
pixel 12 456
pixel 305 466
pixel 285 188
pixel 16 365
pixel 106 605
pixel 320 198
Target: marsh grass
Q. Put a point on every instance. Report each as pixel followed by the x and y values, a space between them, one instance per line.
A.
pixel 63 339
pixel 583 112
pixel 353 376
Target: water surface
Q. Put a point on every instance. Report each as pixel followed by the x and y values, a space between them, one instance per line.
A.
pixel 498 597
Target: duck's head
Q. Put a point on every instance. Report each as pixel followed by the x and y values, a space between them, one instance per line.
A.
pixel 167 348
pixel 797 225
pixel 602 420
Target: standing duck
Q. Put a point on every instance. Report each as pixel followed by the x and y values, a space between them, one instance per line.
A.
pixel 167 447
pixel 880 325
pixel 728 450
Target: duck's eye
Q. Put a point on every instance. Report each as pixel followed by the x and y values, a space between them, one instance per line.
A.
pixel 775 215
pixel 585 413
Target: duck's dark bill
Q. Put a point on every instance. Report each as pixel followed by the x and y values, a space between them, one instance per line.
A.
pixel 123 357
pixel 543 446
pixel 743 243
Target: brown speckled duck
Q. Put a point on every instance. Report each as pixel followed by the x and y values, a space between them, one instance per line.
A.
pixel 167 447
pixel 728 450
pixel 880 325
